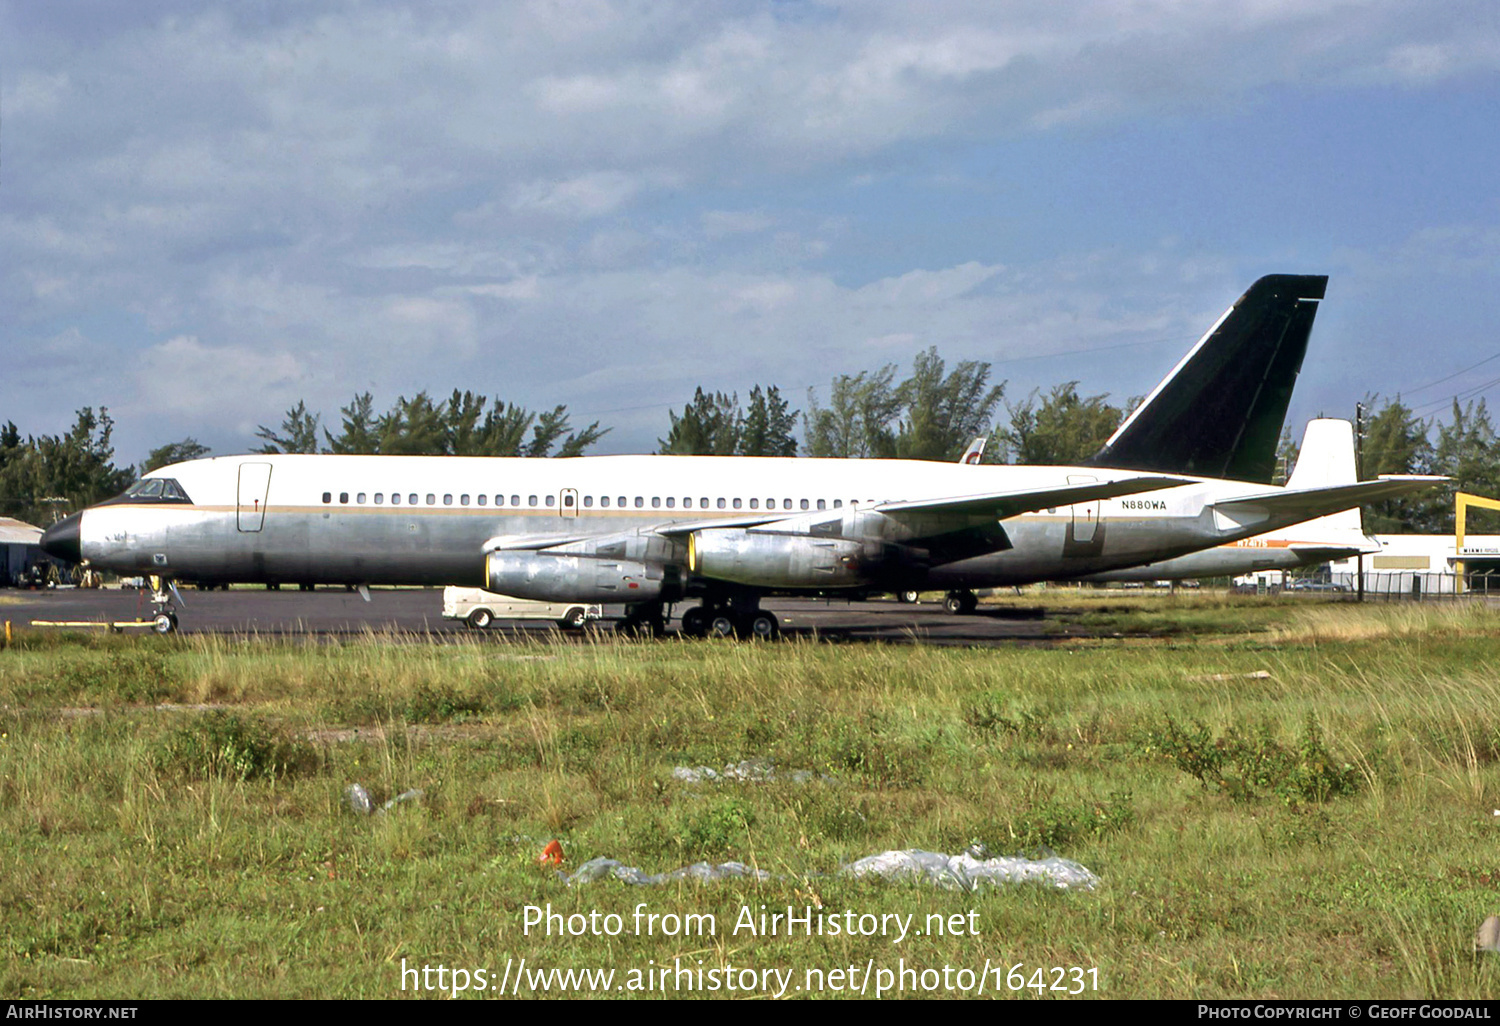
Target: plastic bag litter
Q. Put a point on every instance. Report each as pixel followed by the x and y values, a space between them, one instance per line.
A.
pixel 956 872
pixel 360 802
pixel 703 872
pixel 966 872
pixel 754 771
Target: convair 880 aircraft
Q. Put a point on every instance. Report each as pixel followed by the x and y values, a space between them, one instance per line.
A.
pixel 652 530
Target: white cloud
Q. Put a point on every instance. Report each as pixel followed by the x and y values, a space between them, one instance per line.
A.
pixel 394 197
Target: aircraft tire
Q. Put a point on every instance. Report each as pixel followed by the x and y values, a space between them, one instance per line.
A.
pixel 761 626
pixel 165 623
pixel 721 626
pixel 960 603
pixel 694 622
pixel 480 619
pixel 907 597
pixel 575 618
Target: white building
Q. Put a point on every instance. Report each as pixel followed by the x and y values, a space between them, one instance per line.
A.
pixel 1424 564
pixel 20 547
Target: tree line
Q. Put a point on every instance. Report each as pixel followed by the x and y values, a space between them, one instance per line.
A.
pixel 932 413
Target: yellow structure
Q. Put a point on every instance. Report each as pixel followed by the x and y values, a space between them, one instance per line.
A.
pixel 1461 503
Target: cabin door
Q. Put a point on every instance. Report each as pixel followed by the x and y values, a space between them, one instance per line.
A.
pixel 255 482
pixel 1085 514
pixel 567 502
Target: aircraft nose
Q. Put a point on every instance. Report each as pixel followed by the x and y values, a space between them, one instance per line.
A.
pixel 63 540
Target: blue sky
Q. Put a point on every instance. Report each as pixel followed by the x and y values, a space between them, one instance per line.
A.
pixel 208 214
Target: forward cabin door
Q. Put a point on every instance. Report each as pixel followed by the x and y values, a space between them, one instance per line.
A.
pixel 255 483
pixel 1085 514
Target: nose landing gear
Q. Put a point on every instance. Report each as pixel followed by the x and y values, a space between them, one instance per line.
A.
pixel 165 598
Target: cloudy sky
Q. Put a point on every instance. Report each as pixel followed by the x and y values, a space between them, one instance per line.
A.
pixel 209 212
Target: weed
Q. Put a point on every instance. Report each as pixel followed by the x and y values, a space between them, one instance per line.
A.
pixel 228 745
pixel 1245 764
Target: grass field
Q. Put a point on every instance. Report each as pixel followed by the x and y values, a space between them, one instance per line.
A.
pixel 1280 799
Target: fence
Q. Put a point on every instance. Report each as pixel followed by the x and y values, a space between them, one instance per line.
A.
pixel 1420 585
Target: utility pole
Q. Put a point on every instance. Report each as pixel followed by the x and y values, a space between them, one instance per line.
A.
pixel 1359 475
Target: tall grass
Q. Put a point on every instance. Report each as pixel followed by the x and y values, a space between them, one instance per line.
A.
pixel 173 820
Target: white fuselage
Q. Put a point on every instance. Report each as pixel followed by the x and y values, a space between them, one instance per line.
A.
pixel 444 520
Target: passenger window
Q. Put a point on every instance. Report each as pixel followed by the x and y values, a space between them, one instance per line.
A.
pixel 395 498
pixel 838 503
pixel 447 500
pixel 671 502
pixel 531 500
pixel 463 500
pixel 639 502
pixel 687 502
pixel 721 503
pixel 412 499
pixel 621 503
pixel 380 498
pixel 431 499
pixel 604 501
pixel 755 504
pixel 568 501
pixel 327 496
pixel 588 500
pixel 736 503
pixel 483 499
pixel 655 502
pixel 804 503
pixel 786 503
pixel 703 503
pixel 343 496
pixel 822 504
pixel 551 500
pixel 515 500
pixel 360 498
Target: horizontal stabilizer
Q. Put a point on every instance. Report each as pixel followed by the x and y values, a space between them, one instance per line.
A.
pixel 1311 503
pixel 1001 505
pixel 1314 554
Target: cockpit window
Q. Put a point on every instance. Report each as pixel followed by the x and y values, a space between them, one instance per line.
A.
pixel 152 489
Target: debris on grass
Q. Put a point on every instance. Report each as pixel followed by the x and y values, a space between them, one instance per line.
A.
pixel 966 872
pixel 1488 936
pixel 955 872
pixel 359 800
pixel 750 771
pixel 703 872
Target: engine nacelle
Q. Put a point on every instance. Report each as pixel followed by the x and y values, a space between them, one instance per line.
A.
pixel 782 560
pixel 557 578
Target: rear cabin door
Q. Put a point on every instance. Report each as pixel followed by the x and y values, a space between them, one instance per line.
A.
pixel 255 482
pixel 1085 514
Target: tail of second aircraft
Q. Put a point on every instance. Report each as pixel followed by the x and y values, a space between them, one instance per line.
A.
pixel 1220 412
pixel 1327 459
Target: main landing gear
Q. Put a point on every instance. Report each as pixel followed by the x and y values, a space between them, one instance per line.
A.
pixel 738 617
pixel 960 602
pixel 644 620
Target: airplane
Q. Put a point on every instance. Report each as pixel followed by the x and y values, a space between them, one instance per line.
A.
pixel 1181 474
pixel 1326 458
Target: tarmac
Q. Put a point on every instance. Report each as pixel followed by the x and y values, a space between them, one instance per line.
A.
pixel 417 613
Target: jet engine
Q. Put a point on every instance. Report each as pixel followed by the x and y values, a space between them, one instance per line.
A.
pixel 770 560
pixel 561 578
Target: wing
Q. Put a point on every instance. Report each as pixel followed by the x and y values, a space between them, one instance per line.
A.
pixel 1001 505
